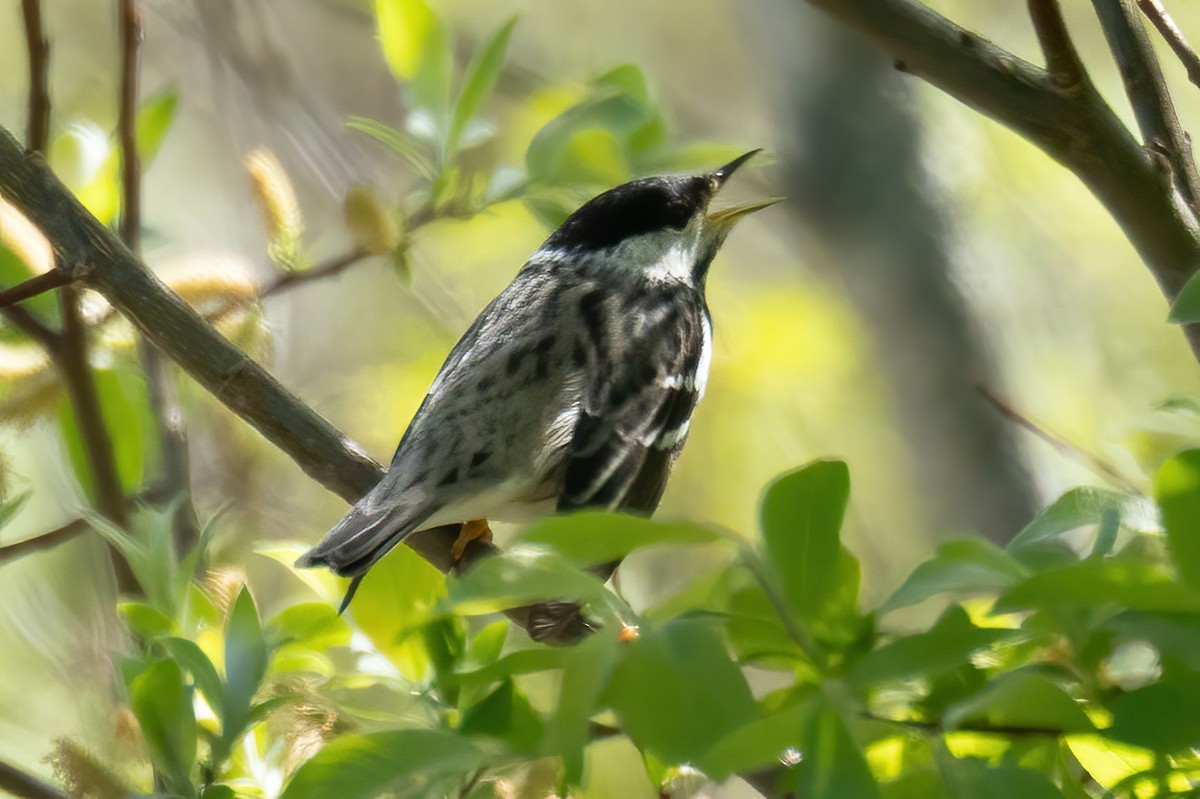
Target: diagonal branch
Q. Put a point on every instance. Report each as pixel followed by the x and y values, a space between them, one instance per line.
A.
pixel 324 453
pixel 1148 93
pixel 1156 12
pixel 39 284
pixel 1076 128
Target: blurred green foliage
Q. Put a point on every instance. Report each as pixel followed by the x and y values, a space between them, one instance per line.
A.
pixel 1063 665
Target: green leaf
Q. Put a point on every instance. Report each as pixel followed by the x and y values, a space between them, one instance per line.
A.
pixel 363 766
pixel 591 537
pixel 949 643
pixel 676 691
pixel 1164 716
pixel 312 624
pixel 522 661
pixel 153 121
pixel 550 158
pixel 1177 487
pixel 586 672
pixel 146 620
pixel 801 516
pixel 1186 307
pixel 975 779
pixel 761 743
pixel 405 27
pixel 1084 506
pixel 971 565
pixel 245 663
pixel 481 77
pixel 395 601
pixel 162 703
pixel 204 674
pixel 1100 583
pixel 833 766
pixel 487 644
pixel 1022 699
pixel 407 146
pixel 521 575
pixel 125 409
pixel 505 714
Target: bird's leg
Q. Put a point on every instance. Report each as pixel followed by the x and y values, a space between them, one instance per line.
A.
pixel 474 530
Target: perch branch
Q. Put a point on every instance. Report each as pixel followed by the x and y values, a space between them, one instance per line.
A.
pixel 1148 93
pixel 1076 128
pixel 1158 16
pixel 324 453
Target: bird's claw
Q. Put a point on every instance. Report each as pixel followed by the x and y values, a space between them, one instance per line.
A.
pixel 474 530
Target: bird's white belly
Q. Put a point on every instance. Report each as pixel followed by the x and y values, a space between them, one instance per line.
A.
pixel 506 502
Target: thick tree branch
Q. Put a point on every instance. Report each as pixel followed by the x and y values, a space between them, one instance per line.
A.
pixel 321 451
pixel 1076 128
pixel 1158 16
pixel 17 783
pixel 38 49
pixel 1148 93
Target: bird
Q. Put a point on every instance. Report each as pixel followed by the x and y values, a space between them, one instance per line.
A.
pixel 573 389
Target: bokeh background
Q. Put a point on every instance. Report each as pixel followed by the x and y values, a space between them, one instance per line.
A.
pixel 924 252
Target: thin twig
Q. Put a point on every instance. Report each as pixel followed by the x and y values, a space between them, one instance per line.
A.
pixel 30 325
pixel 47 281
pixel 329 268
pixel 38 50
pixel 18 783
pixel 1161 19
pixel 1062 60
pixel 1058 442
pixel 160 389
pixel 1148 93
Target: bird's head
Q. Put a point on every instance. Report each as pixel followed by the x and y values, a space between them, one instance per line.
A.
pixel 659 226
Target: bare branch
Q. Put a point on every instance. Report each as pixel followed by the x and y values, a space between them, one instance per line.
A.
pixel 1077 129
pixel 324 453
pixel 18 783
pixel 33 327
pixel 1148 93
pixel 1158 16
pixel 1096 464
pixel 329 268
pixel 38 50
pixel 47 281
pixel 163 398
pixel 1062 60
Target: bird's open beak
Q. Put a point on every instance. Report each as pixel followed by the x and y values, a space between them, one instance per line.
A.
pixel 725 218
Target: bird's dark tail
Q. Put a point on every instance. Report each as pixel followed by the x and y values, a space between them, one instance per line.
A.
pixel 361 537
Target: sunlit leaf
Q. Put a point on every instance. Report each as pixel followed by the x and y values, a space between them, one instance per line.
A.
pixel 974 779
pixel 591 537
pixel 969 565
pixel 312 624
pixel 1084 506
pixel 1109 762
pixel 393 603
pixel 1097 583
pixel 520 576
pixel 153 121
pixel 480 78
pixel 404 28
pixel 1021 699
pixel 801 517
pixel 677 692
pixel 760 743
pixel 404 144
pixel 363 766
pixel 162 703
pixel 1177 487
pixel 146 620
pixel 204 674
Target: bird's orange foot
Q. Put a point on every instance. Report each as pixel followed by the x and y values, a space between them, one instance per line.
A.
pixel 474 530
